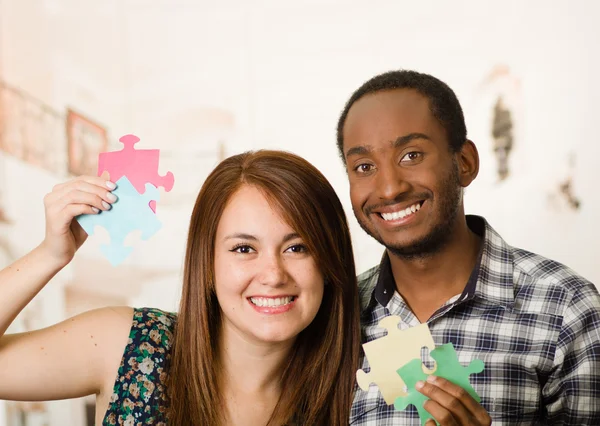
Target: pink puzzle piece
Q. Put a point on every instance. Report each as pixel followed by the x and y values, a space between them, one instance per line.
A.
pixel 139 165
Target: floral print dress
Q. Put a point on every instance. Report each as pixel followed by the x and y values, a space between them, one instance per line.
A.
pixel 139 395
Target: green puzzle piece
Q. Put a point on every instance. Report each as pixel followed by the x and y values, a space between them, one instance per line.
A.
pixel 450 369
pixel 411 373
pixel 447 367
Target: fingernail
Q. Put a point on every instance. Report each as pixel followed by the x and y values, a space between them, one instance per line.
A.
pixel 106 205
pixel 419 385
pixel 95 210
pixel 110 185
pixel 431 379
pixel 111 197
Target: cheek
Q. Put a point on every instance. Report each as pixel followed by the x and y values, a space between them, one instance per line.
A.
pixel 230 278
pixel 221 271
pixel 358 195
pixel 310 281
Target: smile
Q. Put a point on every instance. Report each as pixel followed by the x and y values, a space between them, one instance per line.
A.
pixel 271 302
pixel 401 214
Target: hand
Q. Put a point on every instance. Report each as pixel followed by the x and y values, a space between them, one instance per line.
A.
pixel 83 195
pixel 451 405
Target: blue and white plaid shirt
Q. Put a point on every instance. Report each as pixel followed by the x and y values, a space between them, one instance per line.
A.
pixel 534 322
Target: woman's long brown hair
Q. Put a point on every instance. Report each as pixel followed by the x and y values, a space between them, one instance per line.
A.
pixel 318 381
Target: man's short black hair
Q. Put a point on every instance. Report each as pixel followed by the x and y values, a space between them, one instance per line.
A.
pixel 443 103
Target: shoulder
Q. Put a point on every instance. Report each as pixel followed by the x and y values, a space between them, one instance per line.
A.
pixel 548 272
pixel 105 331
pixel 153 317
pixel 366 285
pixel 154 326
pixel 140 385
pixel 136 333
pixel 539 284
pixel 556 283
pixel 369 277
pixel 112 318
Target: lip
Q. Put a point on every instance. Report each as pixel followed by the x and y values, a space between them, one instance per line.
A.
pixel 273 310
pixel 397 207
pixel 400 221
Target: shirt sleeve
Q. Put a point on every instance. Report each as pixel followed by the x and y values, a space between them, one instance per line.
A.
pixel 572 393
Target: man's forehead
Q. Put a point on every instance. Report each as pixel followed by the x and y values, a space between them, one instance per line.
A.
pixel 398 107
pixel 383 111
pixel 391 99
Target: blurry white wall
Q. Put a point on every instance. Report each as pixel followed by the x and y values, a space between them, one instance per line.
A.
pixel 187 76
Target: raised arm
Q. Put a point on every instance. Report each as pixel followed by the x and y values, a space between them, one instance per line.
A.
pixel 72 358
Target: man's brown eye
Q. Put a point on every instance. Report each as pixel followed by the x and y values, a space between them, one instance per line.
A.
pixel 411 156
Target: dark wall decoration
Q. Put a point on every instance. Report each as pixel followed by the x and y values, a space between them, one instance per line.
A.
pixel 502 132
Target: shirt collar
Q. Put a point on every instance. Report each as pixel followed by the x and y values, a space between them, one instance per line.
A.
pixel 491 279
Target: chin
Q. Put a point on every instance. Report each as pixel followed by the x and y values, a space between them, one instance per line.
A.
pixel 277 333
pixel 408 240
pixel 275 338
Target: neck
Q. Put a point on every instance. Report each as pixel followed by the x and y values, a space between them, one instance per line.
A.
pixel 249 366
pixel 427 282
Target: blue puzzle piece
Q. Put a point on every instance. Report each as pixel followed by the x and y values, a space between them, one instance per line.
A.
pixel 130 212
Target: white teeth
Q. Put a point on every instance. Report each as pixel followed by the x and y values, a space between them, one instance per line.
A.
pixel 402 213
pixel 271 302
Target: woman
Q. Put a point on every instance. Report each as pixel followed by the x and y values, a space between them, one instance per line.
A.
pixel 268 328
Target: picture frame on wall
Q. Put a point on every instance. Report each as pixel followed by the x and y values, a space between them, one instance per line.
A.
pixel 86 140
pixel 9 133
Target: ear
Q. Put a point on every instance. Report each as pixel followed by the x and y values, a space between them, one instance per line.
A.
pixel 468 163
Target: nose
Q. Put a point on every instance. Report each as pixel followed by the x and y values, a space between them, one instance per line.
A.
pixel 272 272
pixel 391 182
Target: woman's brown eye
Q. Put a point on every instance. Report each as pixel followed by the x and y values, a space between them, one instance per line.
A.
pixel 298 248
pixel 243 249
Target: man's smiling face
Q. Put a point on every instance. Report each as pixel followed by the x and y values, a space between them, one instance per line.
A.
pixel 404 179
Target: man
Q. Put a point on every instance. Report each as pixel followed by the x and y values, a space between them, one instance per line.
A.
pixel 534 322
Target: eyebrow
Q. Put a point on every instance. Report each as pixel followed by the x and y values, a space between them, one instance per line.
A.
pixel 243 236
pixel 401 141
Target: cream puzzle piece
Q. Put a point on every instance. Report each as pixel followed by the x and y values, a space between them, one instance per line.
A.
pixel 390 352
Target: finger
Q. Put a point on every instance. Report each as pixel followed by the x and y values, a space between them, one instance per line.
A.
pixel 442 415
pixel 62 220
pixel 473 407
pixel 99 185
pixel 87 193
pixel 73 210
pixel 430 422
pixel 98 180
pixel 78 231
pixel 83 193
pixel 89 184
pixel 65 216
pixel 56 212
pixel 450 406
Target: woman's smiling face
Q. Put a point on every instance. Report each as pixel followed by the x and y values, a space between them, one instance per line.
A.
pixel 268 285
